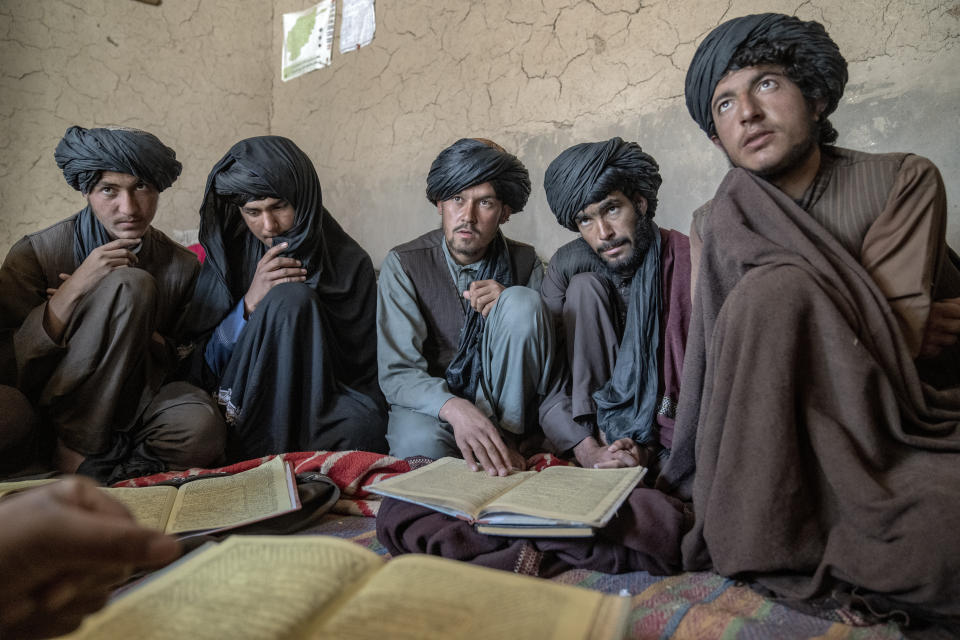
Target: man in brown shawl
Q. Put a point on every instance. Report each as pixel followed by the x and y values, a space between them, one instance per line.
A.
pixel 91 312
pixel 819 422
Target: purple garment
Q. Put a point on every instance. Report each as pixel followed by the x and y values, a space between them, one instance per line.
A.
pixel 643 536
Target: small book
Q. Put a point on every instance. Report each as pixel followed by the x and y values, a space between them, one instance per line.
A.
pixel 323 587
pixel 205 505
pixel 555 502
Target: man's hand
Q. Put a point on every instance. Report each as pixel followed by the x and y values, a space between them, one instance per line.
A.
pixel 943 327
pixel 101 261
pixel 483 294
pixel 591 454
pixel 273 269
pixel 63 548
pixel 479 440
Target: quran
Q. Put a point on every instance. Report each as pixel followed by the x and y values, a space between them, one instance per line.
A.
pixel 207 504
pixel 556 502
pixel 267 587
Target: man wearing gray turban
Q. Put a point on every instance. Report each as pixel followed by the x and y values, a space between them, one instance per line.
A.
pixel 818 431
pixel 92 309
pixel 621 292
pixel 465 346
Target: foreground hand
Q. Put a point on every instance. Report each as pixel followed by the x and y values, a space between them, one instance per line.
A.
pixel 479 440
pixel 483 294
pixel 272 269
pixel 63 548
pixel 591 454
pixel 943 327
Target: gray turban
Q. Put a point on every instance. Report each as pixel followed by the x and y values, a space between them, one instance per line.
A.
pixel 84 153
pixel 793 40
pixel 586 173
pixel 469 162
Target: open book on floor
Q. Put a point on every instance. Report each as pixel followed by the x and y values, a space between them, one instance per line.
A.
pixel 322 587
pixel 206 505
pixel 555 502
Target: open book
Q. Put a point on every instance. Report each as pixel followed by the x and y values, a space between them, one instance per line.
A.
pixel 214 504
pixel 205 505
pixel 556 502
pixel 322 587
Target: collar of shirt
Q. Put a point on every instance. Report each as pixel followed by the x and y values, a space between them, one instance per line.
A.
pixel 463 274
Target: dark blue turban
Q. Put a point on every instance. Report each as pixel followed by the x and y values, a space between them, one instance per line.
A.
pixel 469 162
pixel 83 154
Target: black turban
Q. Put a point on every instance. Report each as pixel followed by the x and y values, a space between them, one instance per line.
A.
pixel 469 162
pixel 265 166
pixel 586 173
pixel 84 153
pixel 807 42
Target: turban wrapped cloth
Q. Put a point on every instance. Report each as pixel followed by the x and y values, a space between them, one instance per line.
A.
pixel 262 167
pixel 585 173
pixel 793 39
pixel 469 162
pixel 83 154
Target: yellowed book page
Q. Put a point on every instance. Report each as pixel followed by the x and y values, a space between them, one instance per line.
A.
pixel 424 597
pixel 246 588
pixel 23 485
pixel 230 500
pixel 450 484
pixel 150 506
pixel 569 493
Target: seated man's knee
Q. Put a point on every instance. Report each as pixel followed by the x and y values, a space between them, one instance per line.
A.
pixel 131 282
pixel 520 308
pixel 587 286
pixel 289 299
pixel 410 433
pixel 190 431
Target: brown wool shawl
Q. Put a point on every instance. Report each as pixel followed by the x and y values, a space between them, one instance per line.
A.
pixel 817 460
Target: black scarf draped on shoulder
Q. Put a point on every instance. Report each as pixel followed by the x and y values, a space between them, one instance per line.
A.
pixel 463 372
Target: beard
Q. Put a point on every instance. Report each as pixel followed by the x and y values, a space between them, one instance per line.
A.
pixel 642 237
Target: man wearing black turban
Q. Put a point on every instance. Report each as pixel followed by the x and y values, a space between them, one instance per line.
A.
pixel 465 348
pixel 284 311
pixel 818 431
pixel 621 291
pixel 92 309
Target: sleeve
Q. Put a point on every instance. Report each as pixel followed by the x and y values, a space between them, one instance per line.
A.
pixel 27 347
pixel 553 290
pixel 536 275
pixel 696 245
pixel 556 412
pixel 401 331
pixel 221 343
pixel 903 249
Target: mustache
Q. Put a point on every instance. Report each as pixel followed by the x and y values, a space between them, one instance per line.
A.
pixel 613 244
pixel 466 226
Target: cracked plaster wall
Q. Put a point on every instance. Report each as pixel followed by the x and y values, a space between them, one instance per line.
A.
pixel 194 72
pixel 539 76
